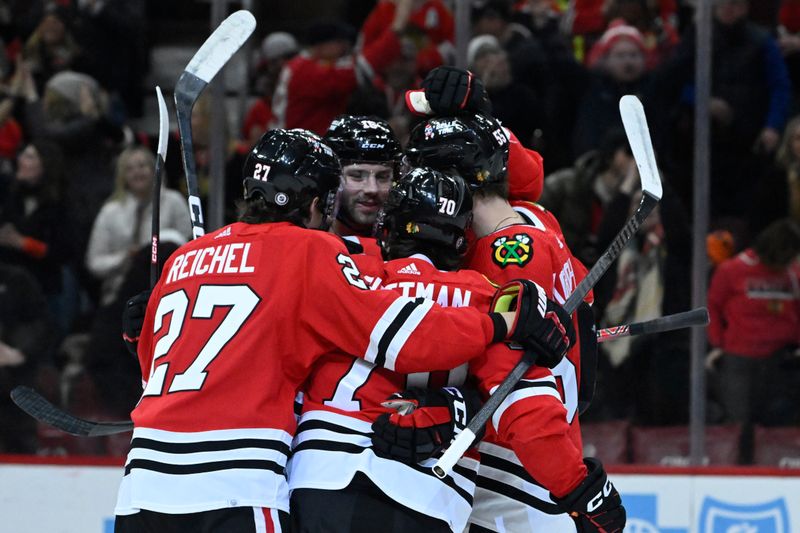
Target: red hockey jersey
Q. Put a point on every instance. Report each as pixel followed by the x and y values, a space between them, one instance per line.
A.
pixel 232 330
pixel 513 474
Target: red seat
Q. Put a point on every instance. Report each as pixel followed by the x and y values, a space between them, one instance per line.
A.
pixel 777 447
pixel 608 441
pixel 669 446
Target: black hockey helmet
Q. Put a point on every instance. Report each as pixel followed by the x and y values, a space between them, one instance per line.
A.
pixel 357 139
pixel 428 206
pixel 285 165
pixel 473 145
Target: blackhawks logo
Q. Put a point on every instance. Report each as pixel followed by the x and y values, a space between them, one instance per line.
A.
pixel 514 250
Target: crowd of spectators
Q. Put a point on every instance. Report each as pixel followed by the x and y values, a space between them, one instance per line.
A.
pixel 76 179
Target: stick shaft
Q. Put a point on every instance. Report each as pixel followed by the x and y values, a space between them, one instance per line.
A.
pixel 155 224
pixel 687 319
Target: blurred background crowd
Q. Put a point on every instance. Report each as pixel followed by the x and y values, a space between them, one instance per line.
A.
pixel 77 138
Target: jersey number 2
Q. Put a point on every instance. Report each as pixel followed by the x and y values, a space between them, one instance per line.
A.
pixel 239 298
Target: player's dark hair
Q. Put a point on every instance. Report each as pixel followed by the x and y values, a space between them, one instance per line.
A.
pixel 778 245
pixel 256 210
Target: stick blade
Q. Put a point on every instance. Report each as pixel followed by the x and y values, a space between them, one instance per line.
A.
pixel 42 410
pixel 163 124
pixel 221 45
pixel 638 133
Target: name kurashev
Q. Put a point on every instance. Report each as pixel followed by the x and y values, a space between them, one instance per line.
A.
pixel 222 259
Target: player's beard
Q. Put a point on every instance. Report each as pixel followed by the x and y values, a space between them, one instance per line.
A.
pixel 363 209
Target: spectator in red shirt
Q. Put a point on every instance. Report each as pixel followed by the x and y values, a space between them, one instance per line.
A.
pixel 276 49
pixel 315 86
pixel 754 303
pixel 432 31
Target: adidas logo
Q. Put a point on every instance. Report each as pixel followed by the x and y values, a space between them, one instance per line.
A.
pixel 226 233
pixel 411 268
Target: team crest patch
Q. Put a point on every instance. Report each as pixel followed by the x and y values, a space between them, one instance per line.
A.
pixel 514 250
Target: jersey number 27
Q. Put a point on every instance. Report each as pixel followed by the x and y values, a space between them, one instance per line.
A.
pixel 239 298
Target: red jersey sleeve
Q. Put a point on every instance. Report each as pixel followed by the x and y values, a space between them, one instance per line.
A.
pixel 384 328
pixel 525 171
pixel 532 421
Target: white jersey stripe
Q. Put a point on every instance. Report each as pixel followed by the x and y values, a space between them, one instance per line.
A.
pixel 215 435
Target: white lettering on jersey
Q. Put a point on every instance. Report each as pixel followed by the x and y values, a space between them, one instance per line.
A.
pixel 227 259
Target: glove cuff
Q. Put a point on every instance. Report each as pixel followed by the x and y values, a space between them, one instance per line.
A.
pixel 500 327
pixel 417 103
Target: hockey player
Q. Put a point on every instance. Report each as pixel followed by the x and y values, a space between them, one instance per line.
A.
pixel 339 481
pixel 508 246
pixel 371 157
pixel 213 427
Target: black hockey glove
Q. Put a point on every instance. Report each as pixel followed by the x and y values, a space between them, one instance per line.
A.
pixel 450 90
pixel 133 318
pixel 541 326
pixel 425 422
pixel 595 504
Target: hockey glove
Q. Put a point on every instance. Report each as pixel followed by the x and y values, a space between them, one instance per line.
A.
pixel 133 318
pixel 426 421
pixel 595 505
pixel 450 90
pixel 541 326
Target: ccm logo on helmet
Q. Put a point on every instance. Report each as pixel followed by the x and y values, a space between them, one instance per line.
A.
pixel 261 171
pixel 597 501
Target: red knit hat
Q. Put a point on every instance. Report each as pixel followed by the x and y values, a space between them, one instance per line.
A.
pixel 616 31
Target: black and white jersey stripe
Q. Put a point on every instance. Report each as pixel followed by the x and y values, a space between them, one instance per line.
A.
pixel 393 330
pixel 508 499
pixel 171 472
pixel 330 448
pixel 526 388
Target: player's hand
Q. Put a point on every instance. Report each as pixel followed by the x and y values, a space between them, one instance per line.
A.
pixel 541 325
pixel 133 318
pixel 595 505
pixel 450 90
pixel 425 422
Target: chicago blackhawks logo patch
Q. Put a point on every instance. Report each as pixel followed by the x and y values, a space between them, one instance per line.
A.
pixel 514 250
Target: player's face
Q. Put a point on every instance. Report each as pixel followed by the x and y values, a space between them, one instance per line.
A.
pixel 365 188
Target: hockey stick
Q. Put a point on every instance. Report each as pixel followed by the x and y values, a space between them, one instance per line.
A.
pixel 687 319
pixel 638 134
pixel 209 59
pixel 42 410
pixel 161 157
